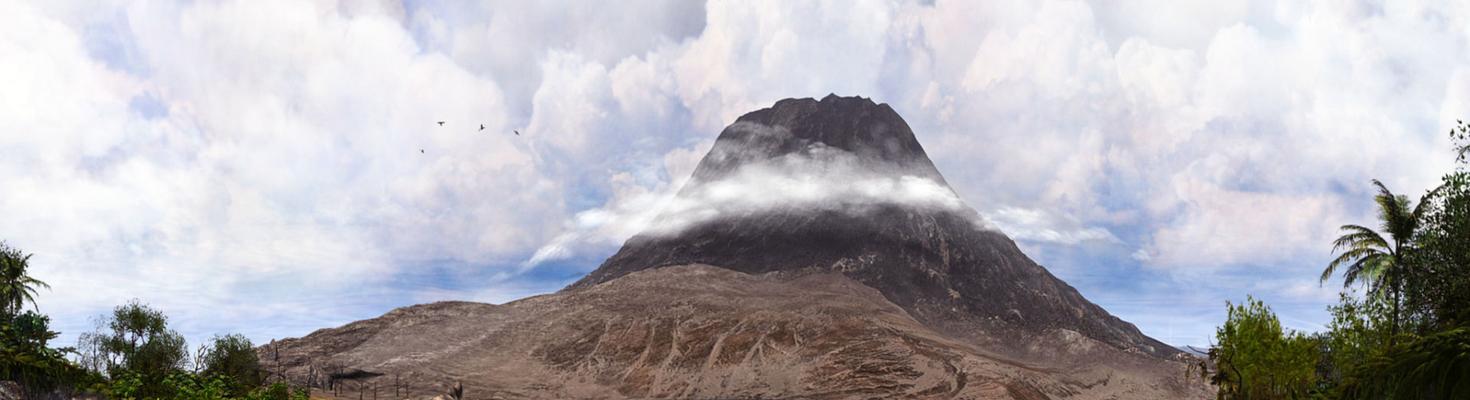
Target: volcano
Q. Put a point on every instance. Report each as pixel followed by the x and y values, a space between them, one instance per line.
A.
pixel 934 259
pixel 815 252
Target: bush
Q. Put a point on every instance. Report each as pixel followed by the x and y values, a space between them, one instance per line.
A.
pixel 276 391
pixel 25 358
pixel 1256 359
pixel 1357 333
pixel 233 357
pixel 1436 366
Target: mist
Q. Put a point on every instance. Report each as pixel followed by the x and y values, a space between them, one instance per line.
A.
pixel 742 177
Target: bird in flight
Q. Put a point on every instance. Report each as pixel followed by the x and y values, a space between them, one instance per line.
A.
pixel 482 127
pixel 441 123
pixel 518 133
pixel 421 151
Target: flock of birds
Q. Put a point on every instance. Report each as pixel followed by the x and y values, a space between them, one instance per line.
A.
pixel 482 127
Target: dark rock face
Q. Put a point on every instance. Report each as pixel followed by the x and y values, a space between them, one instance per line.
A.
pixel 874 133
pixel 939 264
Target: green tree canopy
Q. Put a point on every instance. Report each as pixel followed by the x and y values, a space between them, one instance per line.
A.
pixel 233 358
pixel 1256 359
pixel 1439 291
pixel 135 342
pixel 17 286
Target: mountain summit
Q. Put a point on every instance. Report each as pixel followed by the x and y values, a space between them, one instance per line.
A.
pixel 869 204
pixel 815 253
pixel 873 133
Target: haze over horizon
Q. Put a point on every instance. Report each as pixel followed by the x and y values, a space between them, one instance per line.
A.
pixel 275 167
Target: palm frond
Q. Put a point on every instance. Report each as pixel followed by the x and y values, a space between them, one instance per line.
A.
pixel 1370 266
pixel 1360 248
pixel 1429 367
pixel 1353 258
pixel 1350 275
pixel 1394 212
pixel 32 283
pixel 16 286
pixel 1358 235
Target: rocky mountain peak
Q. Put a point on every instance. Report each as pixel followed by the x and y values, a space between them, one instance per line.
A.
pixel 842 185
pixel 872 134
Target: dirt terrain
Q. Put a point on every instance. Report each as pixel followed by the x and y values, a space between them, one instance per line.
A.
pixel 704 332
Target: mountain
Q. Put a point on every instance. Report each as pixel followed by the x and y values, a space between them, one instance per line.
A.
pixel 815 252
pixel 935 261
pixel 1195 351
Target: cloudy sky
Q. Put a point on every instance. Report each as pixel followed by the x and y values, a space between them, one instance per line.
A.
pixel 273 167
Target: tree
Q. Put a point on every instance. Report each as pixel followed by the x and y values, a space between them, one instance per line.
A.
pixel 1357 333
pixel 25 358
pixel 233 358
pixel 1426 267
pixel 1365 253
pixel 136 344
pixel 1257 359
pixel 17 286
pixel 1440 291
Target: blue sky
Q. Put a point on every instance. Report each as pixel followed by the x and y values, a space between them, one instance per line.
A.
pixel 255 166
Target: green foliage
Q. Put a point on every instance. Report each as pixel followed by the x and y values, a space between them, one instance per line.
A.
pixel 276 391
pixel 26 359
pixel 233 357
pixel 1409 338
pixel 137 344
pixel 1460 137
pixel 187 386
pixel 1363 252
pixel 1257 359
pixel 145 360
pixel 195 387
pixel 24 336
pixel 125 385
pixel 17 287
pixel 1358 332
pixel 1436 366
pixel 140 357
pixel 1440 291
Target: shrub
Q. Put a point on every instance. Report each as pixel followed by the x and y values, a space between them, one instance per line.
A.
pixel 233 357
pixel 1256 359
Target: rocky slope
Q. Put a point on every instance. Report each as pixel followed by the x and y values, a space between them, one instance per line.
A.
pixel 698 331
pixel 816 252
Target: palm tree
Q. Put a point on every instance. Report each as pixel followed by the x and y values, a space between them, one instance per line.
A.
pixel 16 286
pixel 1366 253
